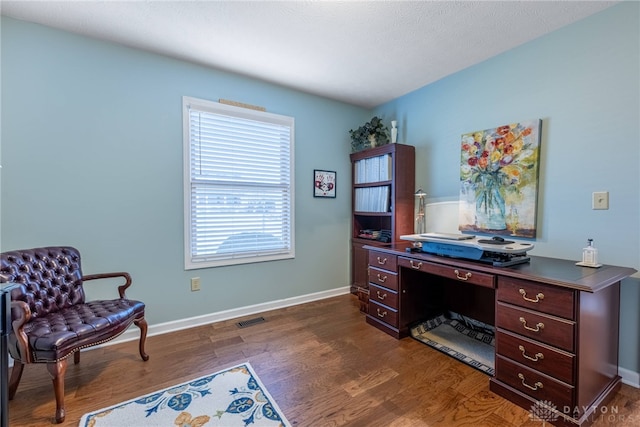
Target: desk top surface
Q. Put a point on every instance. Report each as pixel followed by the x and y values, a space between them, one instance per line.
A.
pixel 554 271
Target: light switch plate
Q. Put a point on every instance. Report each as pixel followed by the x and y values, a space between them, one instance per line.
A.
pixel 600 200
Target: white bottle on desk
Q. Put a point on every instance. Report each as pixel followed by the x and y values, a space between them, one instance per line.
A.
pixel 590 254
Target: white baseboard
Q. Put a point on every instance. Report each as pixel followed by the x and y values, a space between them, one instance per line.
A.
pixel 630 377
pixel 177 325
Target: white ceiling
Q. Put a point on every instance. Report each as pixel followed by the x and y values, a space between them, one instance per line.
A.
pixel 361 52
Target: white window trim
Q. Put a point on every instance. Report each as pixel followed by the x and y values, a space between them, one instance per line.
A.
pixel 216 107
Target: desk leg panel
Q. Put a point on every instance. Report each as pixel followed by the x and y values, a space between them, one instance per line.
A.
pixel 597 342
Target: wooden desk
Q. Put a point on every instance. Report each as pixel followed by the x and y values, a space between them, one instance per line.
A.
pixel 556 323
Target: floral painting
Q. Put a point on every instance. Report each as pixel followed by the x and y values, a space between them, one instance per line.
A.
pixel 499 179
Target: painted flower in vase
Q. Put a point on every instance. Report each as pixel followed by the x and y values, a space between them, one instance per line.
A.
pixel 499 174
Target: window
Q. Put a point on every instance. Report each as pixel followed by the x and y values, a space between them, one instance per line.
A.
pixel 238 190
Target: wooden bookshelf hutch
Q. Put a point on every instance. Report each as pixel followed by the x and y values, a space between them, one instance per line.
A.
pixel 382 200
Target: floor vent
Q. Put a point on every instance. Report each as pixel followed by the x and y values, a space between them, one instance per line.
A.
pixel 250 322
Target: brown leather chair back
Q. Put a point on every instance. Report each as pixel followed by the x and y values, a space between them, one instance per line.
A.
pixel 50 278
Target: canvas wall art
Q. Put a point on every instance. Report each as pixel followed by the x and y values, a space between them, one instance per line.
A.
pixel 499 179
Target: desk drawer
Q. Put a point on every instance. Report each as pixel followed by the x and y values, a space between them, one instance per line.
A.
pixel 456 273
pixel 533 383
pixel 536 296
pixel 383 260
pixel 553 362
pixel 383 296
pixel 383 313
pixel 551 330
pixel 383 278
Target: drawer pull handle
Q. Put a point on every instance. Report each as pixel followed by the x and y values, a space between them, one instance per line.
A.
pixel 538 356
pixel 465 277
pixel 382 261
pixel 383 296
pixel 539 297
pixel 415 266
pixel 529 328
pixel 383 314
pixel 533 387
pixel 382 279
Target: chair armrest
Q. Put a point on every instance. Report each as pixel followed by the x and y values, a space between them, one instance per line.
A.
pixel 21 313
pixel 121 288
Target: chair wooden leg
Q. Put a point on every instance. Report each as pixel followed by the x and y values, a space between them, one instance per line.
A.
pixel 142 324
pixel 16 374
pixel 57 371
pixel 76 357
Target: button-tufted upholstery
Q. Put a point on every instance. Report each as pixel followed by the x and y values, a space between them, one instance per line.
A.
pixel 51 318
pixel 51 278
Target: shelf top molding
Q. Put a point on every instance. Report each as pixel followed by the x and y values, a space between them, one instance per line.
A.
pixel 383 149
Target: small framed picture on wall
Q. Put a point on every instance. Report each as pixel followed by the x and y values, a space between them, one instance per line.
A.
pixel 324 183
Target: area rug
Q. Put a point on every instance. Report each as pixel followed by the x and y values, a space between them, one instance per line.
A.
pixel 232 397
pixel 465 339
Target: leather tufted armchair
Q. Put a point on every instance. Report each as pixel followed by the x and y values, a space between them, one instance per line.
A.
pixel 51 320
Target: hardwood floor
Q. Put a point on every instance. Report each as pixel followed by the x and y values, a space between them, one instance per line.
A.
pixel 321 362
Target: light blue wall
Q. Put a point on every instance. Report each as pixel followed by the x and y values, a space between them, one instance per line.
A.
pixel 92 157
pixel 583 81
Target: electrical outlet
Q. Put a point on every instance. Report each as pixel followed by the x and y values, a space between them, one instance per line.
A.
pixel 195 284
pixel 600 200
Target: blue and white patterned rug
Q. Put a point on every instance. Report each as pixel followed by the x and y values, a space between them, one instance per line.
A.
pixel 232 397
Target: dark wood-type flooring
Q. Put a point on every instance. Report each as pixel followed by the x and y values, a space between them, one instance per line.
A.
pixel 320 361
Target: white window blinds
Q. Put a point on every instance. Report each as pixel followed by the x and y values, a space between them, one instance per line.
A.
pixel 238 185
